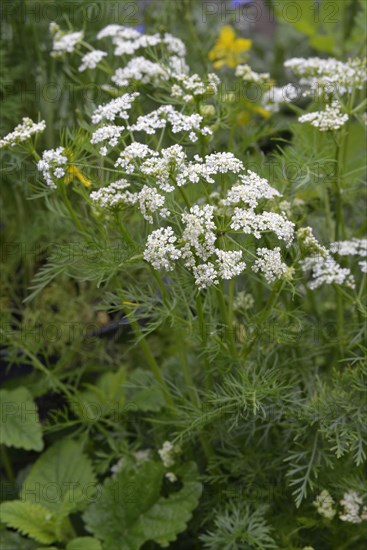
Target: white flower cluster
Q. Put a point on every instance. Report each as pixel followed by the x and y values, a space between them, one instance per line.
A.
pixel 325 270
pixel 113 195
pixel 269 262
pixel 329 75
pixel 118 107
pixel 251 189
pixel 164 167
pixel 128 40
pixel 229 263
pixel 148 199
pixel 150 202
pixel 160 249
pixel 22 132
pixel 324 505
pixel 188 88
pixel 330 119
pixel 91 59
pixel 354 511
pixel 167 114
pixel 141 70
pixel 354 247
pixel 133 152
pixel 248 75
pixel 64 42
pixel 250 222
pixel 272 98
pixel 199 233
pixel 169 453
pixel 52 165
pixel 310 243
pixel 127 33
pixel 109 133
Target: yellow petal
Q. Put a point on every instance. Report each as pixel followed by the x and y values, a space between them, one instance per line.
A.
pixel 83 179
pixel 226 36
pixel 263 112
pixel 242 45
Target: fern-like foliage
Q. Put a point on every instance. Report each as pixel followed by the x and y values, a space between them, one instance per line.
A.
pixel 237 527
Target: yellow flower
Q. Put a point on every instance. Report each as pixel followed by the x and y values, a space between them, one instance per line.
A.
pixel 229 50
pixel 74 172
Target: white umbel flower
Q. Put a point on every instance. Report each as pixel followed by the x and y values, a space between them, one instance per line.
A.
pixel 118 107
pixel 205 275
pixel 275 96
pixel 113 195
pixel 354 247
pixel 269 262
pixel 229 263
pixel 133 153
pixel 64 42
pixel 325 270
pixel 324 504
pixel 250 191
pixel 109 133
pixel 160 250
pixel 198 235
pixel 328 120
pixel 248 75
pixel 256 224
pixel 24 131
pixel 329 75
pixel 91 59
pixel 141 70
pixel 190 87
pixel 353 511
pixel 179 122
pixel 169 453
pixel 52 165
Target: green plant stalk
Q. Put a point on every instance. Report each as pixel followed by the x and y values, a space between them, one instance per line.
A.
pixel 226 319
pixel 70 208
pixel 204 340
pixel 7 463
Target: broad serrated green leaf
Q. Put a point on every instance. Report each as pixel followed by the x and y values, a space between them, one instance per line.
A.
pixel 131 510
pixel 10 540
pixel 84 543
pixel 19 424
pixel 29 519
pixel 62 479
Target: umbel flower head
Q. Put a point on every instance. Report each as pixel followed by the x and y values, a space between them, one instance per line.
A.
pixel 24 131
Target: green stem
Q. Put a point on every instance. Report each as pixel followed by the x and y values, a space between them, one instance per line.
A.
pixel 225 317
pixel 204 340
pixel 7 463
pixel 70 208
pixel 152 363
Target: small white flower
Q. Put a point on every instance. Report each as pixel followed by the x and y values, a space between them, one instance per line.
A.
pixel 169 453
pixel 328 120
pixel 270 263
pixel 325 270
pixel 118 107
pixel 91 59
pixel 160 250
pixel 52 165
pixel 353 511
pixel 325 505
pixel 24 131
